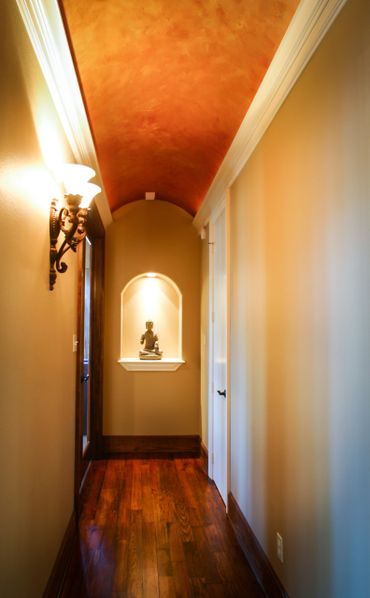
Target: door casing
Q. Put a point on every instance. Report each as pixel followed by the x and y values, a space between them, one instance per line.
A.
pixel 96 233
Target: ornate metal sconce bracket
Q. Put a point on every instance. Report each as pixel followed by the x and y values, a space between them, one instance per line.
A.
pixel 71 221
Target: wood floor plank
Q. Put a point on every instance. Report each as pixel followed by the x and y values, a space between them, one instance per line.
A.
pixel 161 532
pixel 124 493
pixel 100 567
pixel 192 559
pixel 136 493
pixel 150 562
pixel 147 495
pixel 181 580
pixel 135 556
pixel 188 493
pixel 176 544
pixel 120 581
pixel 167 587
pixel 91 491
pixel 155 528
pixel 207 563
pixel 164 562
pixel 215 539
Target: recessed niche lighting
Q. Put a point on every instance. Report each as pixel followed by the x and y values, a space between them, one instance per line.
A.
pixel 150 275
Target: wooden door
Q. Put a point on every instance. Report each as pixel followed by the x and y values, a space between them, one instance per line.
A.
pixel 89 354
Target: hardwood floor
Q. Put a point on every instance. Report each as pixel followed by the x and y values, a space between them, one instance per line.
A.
pixel 156 528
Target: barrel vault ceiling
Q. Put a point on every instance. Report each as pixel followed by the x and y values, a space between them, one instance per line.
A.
pixel 166 85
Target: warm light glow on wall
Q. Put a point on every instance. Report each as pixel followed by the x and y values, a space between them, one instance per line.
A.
pixel 149 298
pixel 34 185
pixel 49 140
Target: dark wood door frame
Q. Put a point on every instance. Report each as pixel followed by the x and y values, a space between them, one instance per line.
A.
pixel 96 234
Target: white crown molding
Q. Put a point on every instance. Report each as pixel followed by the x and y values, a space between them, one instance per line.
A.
pixel 44 25
pixel 305 32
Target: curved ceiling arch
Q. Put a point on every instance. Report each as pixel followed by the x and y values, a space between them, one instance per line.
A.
pixel 166 86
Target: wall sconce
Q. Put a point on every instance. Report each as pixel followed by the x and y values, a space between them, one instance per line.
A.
pixel 70 219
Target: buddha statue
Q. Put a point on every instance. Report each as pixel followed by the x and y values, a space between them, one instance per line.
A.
pixel 150 342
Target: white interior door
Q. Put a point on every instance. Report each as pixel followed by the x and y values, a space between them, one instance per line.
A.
pixel 219 386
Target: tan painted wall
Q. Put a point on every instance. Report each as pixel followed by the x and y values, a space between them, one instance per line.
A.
pixel 37 366
pixel 300 332
pixel 152 237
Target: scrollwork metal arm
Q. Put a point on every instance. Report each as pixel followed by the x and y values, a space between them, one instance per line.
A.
pixel 71 221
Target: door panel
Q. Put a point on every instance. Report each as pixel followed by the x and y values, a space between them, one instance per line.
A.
pixel 220 356
pixel 85 377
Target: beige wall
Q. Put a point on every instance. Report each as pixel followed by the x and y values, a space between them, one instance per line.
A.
pixel 152 236
pixel 36 361
pixel 300 331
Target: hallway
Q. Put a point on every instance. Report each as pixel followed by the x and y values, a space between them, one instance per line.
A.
pixel 216 106
pixel 156 528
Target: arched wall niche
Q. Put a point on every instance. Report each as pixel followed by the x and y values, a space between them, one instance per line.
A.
pixel 156 297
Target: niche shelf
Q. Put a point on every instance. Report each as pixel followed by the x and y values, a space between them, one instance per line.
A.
pixel 156 297
pixel 146 365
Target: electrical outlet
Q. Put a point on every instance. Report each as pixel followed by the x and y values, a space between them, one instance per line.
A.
pixel 279 547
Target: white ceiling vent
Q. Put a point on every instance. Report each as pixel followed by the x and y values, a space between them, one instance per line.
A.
pixel 150 195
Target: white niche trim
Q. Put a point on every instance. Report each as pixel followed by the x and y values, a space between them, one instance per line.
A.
pixel 156 297
pixel 146 365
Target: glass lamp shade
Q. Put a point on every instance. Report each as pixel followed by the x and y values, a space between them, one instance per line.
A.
pixel 74 178
pixel 71 176
pixel 88 192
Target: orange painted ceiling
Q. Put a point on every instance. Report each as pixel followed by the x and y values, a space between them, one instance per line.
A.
pixel 166 85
